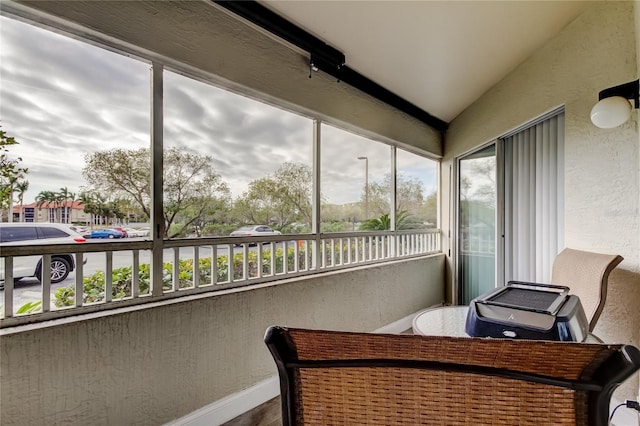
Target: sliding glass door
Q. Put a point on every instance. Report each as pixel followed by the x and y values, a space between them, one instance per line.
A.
pixel 477 191
pixel 511 208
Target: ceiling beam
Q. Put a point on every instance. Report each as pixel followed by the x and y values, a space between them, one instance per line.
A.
pixel 325 57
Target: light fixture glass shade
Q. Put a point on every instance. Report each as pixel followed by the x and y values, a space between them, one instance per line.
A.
pixel 611 112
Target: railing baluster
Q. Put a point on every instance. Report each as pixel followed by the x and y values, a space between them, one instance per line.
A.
pixel 135 279
pixel 108 278
pixel 296 253
pixel 214 265
pixel 8 287
pixel 79 291
pixel 196 267
pixel 176 268
pixel 230 268
pixel 308 261
pixel 45 279
pixel 386 246
pixel 245 261
pixel 285 258
pixel 259 261
pixel 273 258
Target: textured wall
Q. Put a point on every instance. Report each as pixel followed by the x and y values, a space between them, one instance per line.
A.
pixel 602 182
pixel 150 366
pixel 200 35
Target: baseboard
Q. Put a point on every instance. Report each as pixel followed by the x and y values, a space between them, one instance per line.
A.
pixel 230 407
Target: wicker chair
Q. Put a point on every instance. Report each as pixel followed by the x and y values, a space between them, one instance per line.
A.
pixel 341 378
pixel 586 274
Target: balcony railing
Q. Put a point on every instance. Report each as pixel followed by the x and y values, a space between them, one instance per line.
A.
pixel 116 274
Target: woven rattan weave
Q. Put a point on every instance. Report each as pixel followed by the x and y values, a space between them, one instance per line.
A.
pixel 340 378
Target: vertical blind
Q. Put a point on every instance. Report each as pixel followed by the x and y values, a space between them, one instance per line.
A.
pixel 534 200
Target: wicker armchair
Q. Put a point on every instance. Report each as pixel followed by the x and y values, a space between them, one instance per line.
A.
pixel 586 274
pixel 329 378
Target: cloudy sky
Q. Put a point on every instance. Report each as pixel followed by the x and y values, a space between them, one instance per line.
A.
pixel 61 99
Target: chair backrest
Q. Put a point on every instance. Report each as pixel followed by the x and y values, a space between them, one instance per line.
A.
pixel 586 274
pixel 329 377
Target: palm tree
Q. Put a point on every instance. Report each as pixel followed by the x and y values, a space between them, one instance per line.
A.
pixel 99 207
pixel 21 188
pixel 61 203
pixel 12 182
pixel 48 198
pixel 403 221
pixel 88 200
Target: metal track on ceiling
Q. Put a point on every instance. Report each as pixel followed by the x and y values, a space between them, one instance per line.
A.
pixel 325 57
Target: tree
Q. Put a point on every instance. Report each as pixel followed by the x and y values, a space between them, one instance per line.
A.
pixel 383 223
pixel 11 172
pixel 47 198
pixel 281 199
pixel 190 183
pixel 410 197
pixel 21 189
pixel 63 198
pixel 87 199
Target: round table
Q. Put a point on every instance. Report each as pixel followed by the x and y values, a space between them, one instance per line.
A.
pixel 441 321
pixel 450 321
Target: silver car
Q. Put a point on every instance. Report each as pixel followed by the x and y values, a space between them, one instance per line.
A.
pixel 12 234
pixel 253 231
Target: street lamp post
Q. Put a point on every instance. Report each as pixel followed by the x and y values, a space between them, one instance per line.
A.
pixel 366 186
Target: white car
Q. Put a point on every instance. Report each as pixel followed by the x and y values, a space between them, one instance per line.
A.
pixel 253 231
pixel 13 234
pixel 136 232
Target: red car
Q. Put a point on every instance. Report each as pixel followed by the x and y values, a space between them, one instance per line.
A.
pixel 121 230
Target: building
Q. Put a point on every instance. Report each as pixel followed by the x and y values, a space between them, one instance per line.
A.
pixel 65 212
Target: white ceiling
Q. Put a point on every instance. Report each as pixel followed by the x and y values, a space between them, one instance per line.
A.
pixel 439 55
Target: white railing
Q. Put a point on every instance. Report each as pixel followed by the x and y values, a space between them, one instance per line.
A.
pixel 117 274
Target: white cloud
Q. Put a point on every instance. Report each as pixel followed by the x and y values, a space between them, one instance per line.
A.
pixel 62 98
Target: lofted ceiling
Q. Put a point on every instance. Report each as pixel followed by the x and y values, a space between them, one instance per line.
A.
pixel 439 55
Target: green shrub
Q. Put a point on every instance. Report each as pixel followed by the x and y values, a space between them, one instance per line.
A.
pixel 30 307
pixel 121 278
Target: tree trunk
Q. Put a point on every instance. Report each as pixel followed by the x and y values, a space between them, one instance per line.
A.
pixel 10 212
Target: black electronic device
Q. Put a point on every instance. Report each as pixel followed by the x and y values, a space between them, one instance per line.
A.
pixel 526 310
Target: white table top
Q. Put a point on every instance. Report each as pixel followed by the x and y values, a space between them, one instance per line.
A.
pixel 450 321
pixel 441 321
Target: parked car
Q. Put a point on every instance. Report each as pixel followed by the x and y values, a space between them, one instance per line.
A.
pixel 122 230
pixel 254 230
pixel 106 233
pixel 12 234
pixel 132 233
pixel 82 230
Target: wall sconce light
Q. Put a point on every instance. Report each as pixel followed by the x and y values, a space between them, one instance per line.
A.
pixel 614 107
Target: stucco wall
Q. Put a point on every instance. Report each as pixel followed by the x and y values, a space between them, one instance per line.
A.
pixel 149 366
pixel 199 34
pixel 602 183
